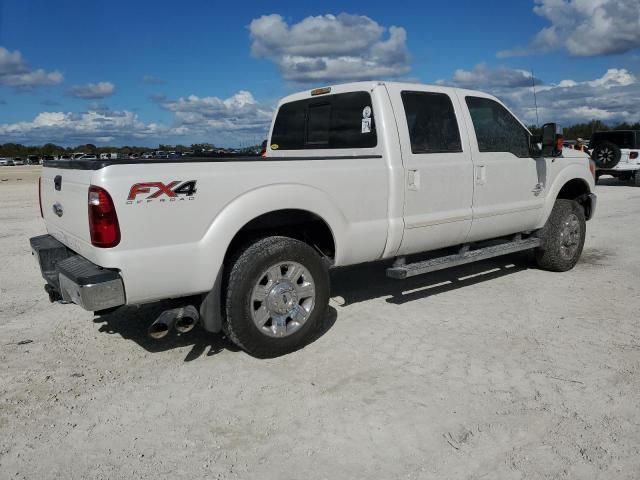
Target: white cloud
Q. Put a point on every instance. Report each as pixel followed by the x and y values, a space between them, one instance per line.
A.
pixel 16 72
pixel 231 121
pixel 238 113
pixel 585 27
pixel 613 97
pixel 93 91
pixel 330 48
pixel 482 76
pixel 91 126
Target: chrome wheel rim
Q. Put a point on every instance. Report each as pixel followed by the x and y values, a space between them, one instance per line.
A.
pixel 282 299
pixel 570 236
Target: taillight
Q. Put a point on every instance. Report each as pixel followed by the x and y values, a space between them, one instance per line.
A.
pixel 40 195
pixel 633 155
pixel 103 220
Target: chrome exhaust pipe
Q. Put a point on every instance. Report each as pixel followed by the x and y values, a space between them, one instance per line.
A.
pixel 184 319
pixel 187 318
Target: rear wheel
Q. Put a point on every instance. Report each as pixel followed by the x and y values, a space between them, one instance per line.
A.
pixel 277 292
pixel 562 237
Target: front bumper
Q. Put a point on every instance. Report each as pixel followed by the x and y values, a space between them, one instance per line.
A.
pixel 74 278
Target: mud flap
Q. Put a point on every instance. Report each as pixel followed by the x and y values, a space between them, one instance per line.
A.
pixel 211 307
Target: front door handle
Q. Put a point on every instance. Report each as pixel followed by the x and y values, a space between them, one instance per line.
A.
pixel 481 175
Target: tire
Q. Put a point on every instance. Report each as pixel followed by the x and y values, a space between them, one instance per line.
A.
pixel 277 292
pixel 606 155
pixel 562 237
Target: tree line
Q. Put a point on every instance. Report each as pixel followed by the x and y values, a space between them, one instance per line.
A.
pixel 585 130
pixel 579 130
pixel 23 151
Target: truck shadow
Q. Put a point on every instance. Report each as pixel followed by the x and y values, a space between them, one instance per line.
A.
pixel 365 282
pixel 349 285
pixel 132 323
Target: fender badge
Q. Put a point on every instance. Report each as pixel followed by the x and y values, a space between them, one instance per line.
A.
pixel 274 146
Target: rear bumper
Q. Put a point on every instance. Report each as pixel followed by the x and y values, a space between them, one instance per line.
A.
pixel 74 278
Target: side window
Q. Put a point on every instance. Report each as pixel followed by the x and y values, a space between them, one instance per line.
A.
pixel 496 129
pixel 289 130
pixel 343 120
pixel 433 127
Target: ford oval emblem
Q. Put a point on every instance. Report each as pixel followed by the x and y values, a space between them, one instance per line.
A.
pixel 57 209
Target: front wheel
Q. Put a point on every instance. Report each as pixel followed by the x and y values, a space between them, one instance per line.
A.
pixel 562 237
pixel 277 293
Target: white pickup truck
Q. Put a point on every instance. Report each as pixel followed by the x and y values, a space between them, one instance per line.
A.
pixel 352 173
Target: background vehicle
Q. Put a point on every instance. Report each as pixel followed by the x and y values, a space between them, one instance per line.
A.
pixel 617 153
pixel 4 162
pixel 77 155
pixel 18 161
pixel 88 156
pixel 353 173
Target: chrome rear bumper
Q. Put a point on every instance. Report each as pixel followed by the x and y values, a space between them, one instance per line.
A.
pixel 74 278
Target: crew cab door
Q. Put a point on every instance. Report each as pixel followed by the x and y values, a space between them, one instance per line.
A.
pixel 437 166
pixel 509 185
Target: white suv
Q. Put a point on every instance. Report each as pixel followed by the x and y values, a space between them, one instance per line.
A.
pixel 617 153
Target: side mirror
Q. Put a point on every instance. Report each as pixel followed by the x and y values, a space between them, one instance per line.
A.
pixel 534 147
pixel 551 140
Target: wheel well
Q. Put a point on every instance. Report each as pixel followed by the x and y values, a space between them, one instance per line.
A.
pixel 577 189
pixel 299 224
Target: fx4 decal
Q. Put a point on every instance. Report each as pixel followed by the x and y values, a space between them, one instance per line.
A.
pixel 157 190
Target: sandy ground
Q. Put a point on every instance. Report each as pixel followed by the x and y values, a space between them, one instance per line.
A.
pixel 495 370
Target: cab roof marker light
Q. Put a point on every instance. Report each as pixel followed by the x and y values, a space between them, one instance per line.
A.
pixel 320 91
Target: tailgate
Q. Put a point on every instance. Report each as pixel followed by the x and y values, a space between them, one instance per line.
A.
pixel 64 195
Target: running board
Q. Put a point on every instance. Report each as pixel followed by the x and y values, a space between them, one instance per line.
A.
pixel 401 271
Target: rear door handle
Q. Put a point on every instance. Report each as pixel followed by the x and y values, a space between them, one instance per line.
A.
pixel 413 180
pixel 481 175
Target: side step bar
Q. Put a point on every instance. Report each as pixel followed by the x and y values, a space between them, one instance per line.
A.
pixel 401 271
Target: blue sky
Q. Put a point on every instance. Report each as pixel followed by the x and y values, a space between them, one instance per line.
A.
pixel 134 72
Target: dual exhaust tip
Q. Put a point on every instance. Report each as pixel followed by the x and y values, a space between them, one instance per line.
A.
pixel 183 319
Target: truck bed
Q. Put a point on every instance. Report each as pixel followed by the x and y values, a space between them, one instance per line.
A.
pixel 98 164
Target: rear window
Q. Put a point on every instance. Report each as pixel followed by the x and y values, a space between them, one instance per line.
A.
pixel 343 120
pixel 627 139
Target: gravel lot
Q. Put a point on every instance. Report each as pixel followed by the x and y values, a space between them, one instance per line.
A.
pixel 493 370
